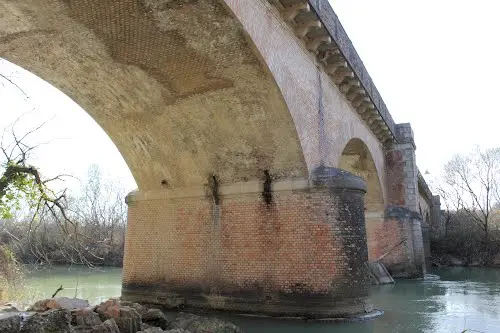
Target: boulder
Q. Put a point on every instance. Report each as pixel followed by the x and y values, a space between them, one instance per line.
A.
pixel 127 318
pixel 156 318
pixel 109 326
pixel 152 330
pixel 66 315
pixel 109 309
pixel 59 303
pixel 52 321
pixel 10 322
pixel 145 326
pixel 85 317
pixel 151 317
pixel 140 308
pixel 197 324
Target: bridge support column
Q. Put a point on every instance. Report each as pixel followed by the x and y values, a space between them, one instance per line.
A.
pixel 296 250
pixel 403 222
pixel 437 226
pixel 426 238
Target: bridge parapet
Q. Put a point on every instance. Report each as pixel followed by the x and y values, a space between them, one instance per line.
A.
pixel 315 22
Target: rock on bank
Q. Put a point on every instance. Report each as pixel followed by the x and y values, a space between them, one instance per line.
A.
pixel 64 315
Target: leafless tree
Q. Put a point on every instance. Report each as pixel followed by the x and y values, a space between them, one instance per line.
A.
pixel 471 184
pixel 101 210
pixel 23 183
pixel 58 227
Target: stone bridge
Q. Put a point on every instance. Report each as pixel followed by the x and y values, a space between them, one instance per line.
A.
pixel 237 119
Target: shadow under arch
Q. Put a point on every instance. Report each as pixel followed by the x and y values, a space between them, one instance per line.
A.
pixel 357 159
pixel 180 90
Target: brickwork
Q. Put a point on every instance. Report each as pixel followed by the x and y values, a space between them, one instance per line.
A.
pixel 357 159
pixel 402 170
pixel 383 235
pixel 304 254
pixel 376 240
pixel 229 81
pixel 399 235
pixel 324 119
pixel 403 207
pixel 201 88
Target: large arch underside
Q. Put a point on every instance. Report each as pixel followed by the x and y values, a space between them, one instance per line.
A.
pixel 177 85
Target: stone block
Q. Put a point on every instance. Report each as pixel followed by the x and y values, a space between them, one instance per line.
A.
pixel 85 317
pixel 59 303
pixel 58 320
pixel 108 326
pixel 127 318
pixel 196 324
pixel 155 317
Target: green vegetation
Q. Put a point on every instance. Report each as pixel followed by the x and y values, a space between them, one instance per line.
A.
pixel 39 225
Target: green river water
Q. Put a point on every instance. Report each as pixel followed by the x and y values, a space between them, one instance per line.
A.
pixel 464 298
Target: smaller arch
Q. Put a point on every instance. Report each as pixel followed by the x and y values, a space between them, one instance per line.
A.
pixel 357 159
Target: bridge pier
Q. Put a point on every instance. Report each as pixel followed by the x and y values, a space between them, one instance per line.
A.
pixel 402 232
pixel 297 250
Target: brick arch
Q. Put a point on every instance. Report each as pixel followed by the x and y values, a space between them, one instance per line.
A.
pixel 357 159
pixel 182 91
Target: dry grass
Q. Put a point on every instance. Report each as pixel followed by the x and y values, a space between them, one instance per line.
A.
pixel 11 276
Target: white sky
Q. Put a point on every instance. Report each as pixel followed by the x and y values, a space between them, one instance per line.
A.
pixel 75 141
pixel 435 63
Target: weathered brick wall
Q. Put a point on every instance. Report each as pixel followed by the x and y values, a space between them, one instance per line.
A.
pixel 376 240
pixel 304 254
pixel 325 132
pixel 247 88
pixel 403 219
pixel 357 159
pixel 404 260
pixel 383 234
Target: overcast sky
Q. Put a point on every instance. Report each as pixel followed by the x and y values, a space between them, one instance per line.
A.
pixel 435 63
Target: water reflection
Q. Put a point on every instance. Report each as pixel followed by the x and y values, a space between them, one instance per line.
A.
pixel 463 298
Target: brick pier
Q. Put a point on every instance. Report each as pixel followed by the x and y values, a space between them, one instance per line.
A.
pixel 301 254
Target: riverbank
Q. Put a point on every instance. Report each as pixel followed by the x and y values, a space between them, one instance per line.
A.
pixel 447 260
pixel 68 315
pixel 464 297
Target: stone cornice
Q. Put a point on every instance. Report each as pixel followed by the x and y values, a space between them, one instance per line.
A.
pixel 251 187
pixel 317 25
pixel 425 188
